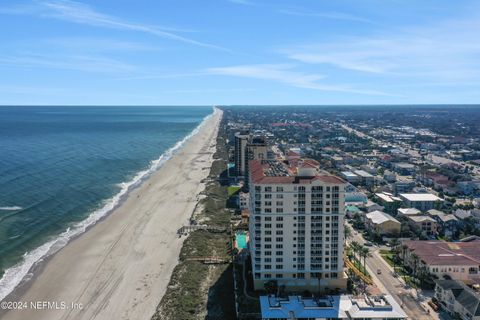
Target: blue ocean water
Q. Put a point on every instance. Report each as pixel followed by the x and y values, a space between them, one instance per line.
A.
pixel 62 168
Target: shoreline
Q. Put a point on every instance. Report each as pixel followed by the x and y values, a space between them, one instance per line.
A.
pixel 23 271
pixel 145 197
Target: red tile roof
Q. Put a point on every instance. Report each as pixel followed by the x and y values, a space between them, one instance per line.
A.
pixel 446 253
pixel 257 174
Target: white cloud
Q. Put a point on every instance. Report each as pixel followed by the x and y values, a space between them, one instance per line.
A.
pixel 285 74
pixel 243 2
pixel 74 62
pixel 326 15
pixel 77 12
pixel 448 50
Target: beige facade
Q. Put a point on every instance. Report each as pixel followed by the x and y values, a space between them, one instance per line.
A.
pixel 382 223
pixel 296 227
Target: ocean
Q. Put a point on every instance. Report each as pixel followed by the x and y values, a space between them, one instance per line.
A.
pixel 64 168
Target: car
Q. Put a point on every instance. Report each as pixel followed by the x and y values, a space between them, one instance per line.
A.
pixel 379 271
pixel 368 244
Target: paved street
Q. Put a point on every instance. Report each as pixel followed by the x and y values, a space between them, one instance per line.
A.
pixel 389 284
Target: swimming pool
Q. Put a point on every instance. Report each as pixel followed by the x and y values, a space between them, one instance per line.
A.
pixel 241 238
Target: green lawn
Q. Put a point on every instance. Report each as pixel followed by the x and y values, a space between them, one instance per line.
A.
pixel 233 190
pixel 360 267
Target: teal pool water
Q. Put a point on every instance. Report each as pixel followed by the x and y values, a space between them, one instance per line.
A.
pixel 241 240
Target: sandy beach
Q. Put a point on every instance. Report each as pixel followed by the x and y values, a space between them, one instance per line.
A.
pixel 120 268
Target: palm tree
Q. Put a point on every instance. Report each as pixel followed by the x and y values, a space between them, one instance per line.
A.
pixel 347 232
pixel 365 253
pixel 415 260
pixel 394 243
pixel 355 246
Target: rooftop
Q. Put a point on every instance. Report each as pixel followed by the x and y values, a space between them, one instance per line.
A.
pixel 408 211
pixel 342 307
pixel 446 253
pixel 420 197
pixel 279 172
pixel 421 218
pixel 465 296
pixel 363 174
pixel 378 217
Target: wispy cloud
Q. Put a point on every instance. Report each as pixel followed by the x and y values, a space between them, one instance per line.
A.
pixel 89 45
pixel 448 50
pixel 37 90
pixel 242 2
pixel 287 75
pixel 77 12
pixel 75 62
pixel 326 15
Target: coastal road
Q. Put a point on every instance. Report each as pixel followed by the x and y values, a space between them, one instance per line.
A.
pixel 389 284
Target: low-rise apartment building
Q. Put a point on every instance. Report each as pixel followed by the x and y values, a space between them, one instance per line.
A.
pixel 457 260
pixel 424 223
pixel 382 223
pixel 421 201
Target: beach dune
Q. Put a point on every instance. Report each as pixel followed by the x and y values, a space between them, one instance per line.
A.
pixel 120 268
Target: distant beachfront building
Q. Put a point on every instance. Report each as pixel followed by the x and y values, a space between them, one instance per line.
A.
pixel 248 147
pixel 241 156
pixel 343 307
pixel 296 225
pixel 257 148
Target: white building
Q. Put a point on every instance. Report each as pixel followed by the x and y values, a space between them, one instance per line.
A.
pixel 331 307
pixel 296 226
pixel 421 201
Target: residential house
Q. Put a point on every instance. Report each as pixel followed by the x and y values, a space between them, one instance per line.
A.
pixel 388 201
pixel 421 201
pixel 408 212
pixel 403 186
pixel 366 179
pixel 425 224
pixel 403 168
pixel 382 223
pixel 372 206
pixel 458 299
pixel 448 224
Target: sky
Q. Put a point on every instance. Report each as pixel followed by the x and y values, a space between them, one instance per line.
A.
pixel 238 52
